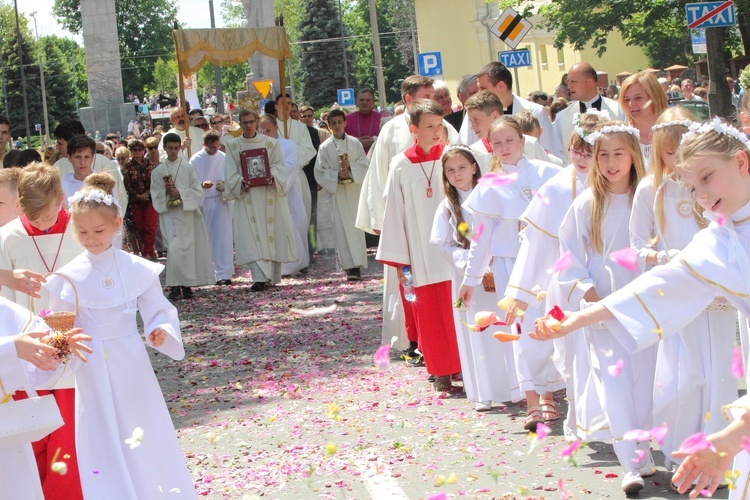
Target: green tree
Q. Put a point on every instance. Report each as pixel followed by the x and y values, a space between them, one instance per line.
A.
pixel 58 80
pixel 11 72
pixel 76 59
pixel 164 77
pixel 321 54
pixel 144 31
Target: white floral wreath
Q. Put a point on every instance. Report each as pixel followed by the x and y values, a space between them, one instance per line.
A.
pixel 462 148
pixel 578 129
pixel 95 195
pixel 674 123
pixel 719 127
pixel 610 129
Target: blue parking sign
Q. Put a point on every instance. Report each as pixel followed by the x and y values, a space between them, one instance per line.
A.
pixel 345 97
pixel 430 64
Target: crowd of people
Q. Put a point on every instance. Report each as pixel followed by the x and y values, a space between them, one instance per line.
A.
pixel 607 203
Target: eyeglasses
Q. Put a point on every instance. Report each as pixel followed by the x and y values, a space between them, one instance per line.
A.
pixel 137 149
pixel 216 122
pixel 580 154
pixel 151 148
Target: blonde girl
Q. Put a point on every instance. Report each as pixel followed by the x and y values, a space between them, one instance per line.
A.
pixel 714 164
pixel 487 365
pixel 498 209
pixel 539 250
pixel 595 226
pixel 124 431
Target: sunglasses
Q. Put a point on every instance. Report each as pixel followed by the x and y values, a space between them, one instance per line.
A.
pixel 219 122
pixel 203 126
pixel 151 148
pixel 100 151
pixel 137 149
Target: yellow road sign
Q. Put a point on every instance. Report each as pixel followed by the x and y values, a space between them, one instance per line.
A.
pixel 511 27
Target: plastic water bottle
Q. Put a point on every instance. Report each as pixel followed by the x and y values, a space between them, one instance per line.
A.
pixel 409 293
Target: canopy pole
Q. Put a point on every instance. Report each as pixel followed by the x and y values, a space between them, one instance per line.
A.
pixel 181 85
pixel 282 82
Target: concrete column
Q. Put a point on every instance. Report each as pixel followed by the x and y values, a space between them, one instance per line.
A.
pixel 261 14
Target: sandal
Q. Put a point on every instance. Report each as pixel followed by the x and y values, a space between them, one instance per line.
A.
pixel 549 410
pixel 533 417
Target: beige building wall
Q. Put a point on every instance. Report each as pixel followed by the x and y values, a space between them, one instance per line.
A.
pixel 458 29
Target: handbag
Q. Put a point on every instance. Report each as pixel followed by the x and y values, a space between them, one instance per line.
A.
pixel 488 279
pixel 30 419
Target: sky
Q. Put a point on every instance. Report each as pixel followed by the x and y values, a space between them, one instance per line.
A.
pixel 194 13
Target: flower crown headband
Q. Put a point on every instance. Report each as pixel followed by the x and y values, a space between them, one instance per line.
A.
pixel 462 148
pixel 674 123
pixel 719 127
pixel 95 195
pixel 609 129
pixel 578 128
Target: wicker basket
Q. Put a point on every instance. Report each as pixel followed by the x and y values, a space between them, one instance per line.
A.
pixel 64 320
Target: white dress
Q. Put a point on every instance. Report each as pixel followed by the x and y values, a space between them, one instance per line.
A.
pixel 487 365
pixel 498 210
pixel 18 470
pixel 216 212
pixel 116 390
pixel 693 380
pixel 296 207
pixel 539 250
pixel 627 396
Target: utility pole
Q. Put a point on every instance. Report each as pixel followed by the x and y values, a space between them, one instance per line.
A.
pixel 75 79
pixel 343 46
pixel 5 92
pixel 382 97
pixel 44 88
pixel 719 97
pixel 217 70
pixel 23 78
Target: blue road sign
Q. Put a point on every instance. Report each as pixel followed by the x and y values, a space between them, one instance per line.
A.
pixel 345 97
pixel 515 58
pixel 710 14
pixel 430 64
pixel 38 127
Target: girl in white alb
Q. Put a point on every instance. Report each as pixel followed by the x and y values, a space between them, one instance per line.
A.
pixel 125 437
pixel 531 278
pixel 595 227
pixel 693 380
pixel 498 209
pixel 487 366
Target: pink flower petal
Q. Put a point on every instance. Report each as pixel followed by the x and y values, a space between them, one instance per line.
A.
pixel 696 443
pixel 562 263
pixel 706 493
pixel 658 433
pixel 438 496
pixel 382 356
pixel 640 455
pixel 614 370
pixel 542 431
pixel 565 494
pixel 637 435
pixel 571 448
pixel 626 258
pixel 477 233
pixel 721 219
pixel 746 444
pixel 738 369
pixel 493 179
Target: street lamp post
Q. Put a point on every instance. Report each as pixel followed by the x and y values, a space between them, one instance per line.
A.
pixel 44 88
pixel 23 78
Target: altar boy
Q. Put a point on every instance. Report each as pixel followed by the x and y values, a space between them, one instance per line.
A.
pixel 176 194
pixel 340 168
pixel 412 196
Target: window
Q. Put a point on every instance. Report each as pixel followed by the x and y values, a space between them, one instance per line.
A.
pixel 560 57
pixel 543 55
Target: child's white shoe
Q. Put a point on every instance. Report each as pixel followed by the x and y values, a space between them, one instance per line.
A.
pixel 483 406
pixel 632 482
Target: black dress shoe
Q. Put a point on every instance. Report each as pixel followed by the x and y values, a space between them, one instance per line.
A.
pixel 175 293
pixel 353 274
pixel 259 286
pixel 224 282
pixel 187 293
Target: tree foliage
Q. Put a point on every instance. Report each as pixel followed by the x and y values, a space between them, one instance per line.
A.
pixel 321 54
pixel 144 31
pixel 164 77
pixel 11 72
pixel 59 79
pixel 76 59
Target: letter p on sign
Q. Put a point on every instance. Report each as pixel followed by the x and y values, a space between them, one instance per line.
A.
pixel 430 64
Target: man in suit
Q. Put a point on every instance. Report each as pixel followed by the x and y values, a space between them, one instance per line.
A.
pixel 582 84
pixel 467 87
pixel 496 78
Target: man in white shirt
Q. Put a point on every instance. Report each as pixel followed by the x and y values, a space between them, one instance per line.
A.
pixel 687 87
pixel 192 137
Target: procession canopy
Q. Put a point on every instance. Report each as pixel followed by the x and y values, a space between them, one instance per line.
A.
pixel 228 46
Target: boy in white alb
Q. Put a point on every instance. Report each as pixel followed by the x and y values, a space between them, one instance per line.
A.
pixel 340 168
pixel 209 166
pixel 176 194
pixel 413 195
